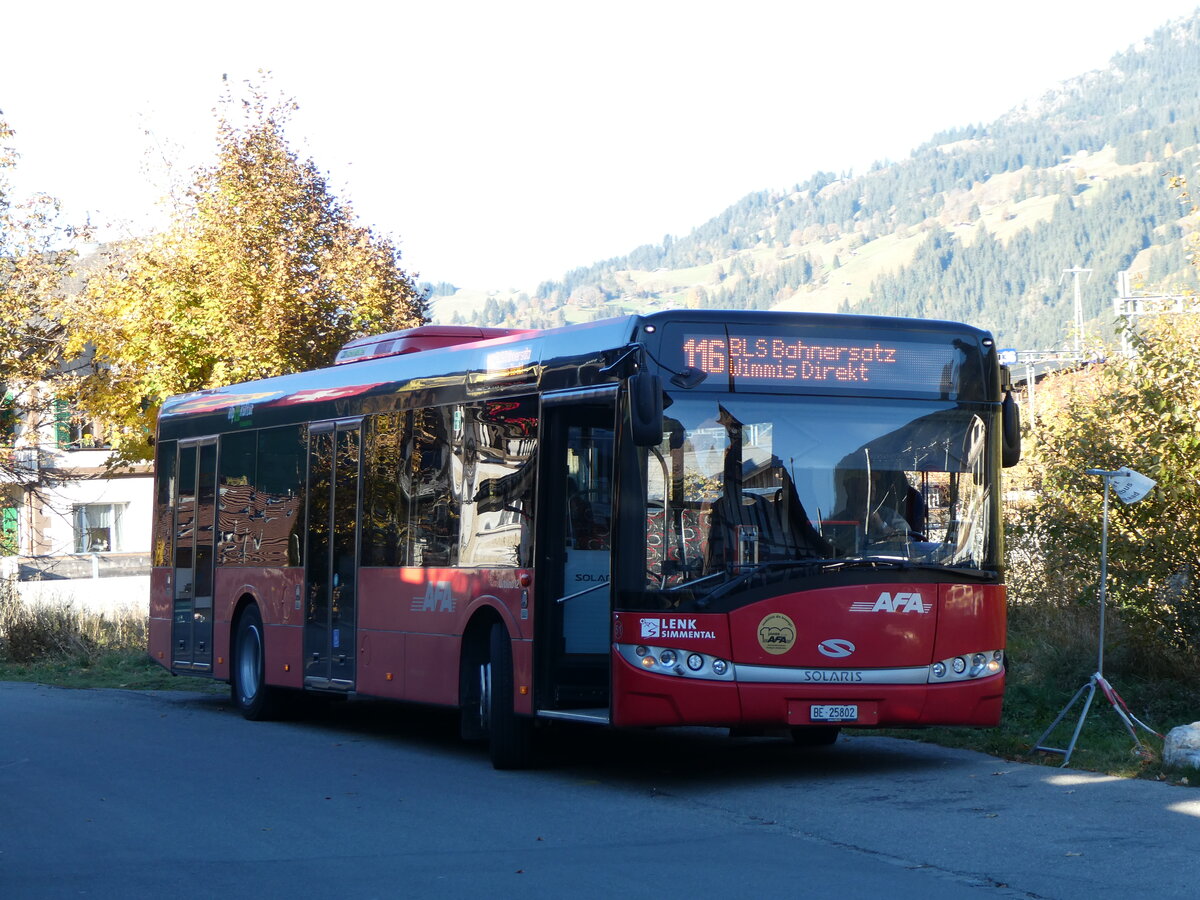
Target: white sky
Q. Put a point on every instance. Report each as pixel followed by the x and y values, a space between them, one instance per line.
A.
pixel 503 143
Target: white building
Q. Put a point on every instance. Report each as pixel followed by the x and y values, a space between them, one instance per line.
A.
pixel 75 532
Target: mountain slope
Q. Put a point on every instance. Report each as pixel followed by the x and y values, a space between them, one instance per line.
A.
pixel 978 224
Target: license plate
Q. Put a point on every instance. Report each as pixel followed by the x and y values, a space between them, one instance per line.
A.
pixel 843 713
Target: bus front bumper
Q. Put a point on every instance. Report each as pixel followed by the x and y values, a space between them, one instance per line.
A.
pixel 649 699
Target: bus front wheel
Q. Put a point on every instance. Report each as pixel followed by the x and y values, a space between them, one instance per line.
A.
pixel 510 736
pixel 247 684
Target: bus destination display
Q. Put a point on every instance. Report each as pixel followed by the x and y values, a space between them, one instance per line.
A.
pixel 829 363
pixel 784 359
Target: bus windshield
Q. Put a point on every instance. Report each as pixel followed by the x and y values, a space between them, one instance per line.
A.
pixel 747 488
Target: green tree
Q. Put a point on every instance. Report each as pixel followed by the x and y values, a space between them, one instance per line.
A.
pixel 262 272
pixel 1142 412
pixel 37 257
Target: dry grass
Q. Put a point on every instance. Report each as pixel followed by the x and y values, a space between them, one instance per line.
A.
pixel 59 644
pixel 34 631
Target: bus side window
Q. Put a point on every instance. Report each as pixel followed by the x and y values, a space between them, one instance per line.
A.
pixel 261 497
pixel 239 530
pixel 385 503
pixel 164 502
pixel 279 494
pixel 499 463
pixel 434 507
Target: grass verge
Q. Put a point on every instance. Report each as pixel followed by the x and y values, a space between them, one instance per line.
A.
pixel 60 645
pixel 129 669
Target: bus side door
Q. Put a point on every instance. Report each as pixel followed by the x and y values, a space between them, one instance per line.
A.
pixel 331 562
pixel 573 565
pixel 195 535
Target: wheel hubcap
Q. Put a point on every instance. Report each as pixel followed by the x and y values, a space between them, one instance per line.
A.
pixel 485 695
pixel 250 663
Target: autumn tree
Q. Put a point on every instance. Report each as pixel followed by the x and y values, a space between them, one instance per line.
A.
pixel 37 255
pixel 1141 411
pixel 263 271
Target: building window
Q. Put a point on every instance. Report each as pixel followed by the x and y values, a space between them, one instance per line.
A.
pixel 73 432
pixel 98 527
pixel 84 435
pixel 8 538
pixel 10 420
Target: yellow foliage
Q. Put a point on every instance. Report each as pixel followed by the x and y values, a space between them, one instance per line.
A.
pixel 262 272
pixel 1142 412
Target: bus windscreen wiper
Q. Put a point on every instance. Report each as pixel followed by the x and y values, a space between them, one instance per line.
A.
pixel 894 562
pixel 744 573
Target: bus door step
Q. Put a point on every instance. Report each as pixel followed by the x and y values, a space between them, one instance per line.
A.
pixel 594 716
pixel 580 695
pixel 319 683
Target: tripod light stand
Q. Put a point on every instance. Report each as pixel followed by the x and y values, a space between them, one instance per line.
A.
pixel 1130 487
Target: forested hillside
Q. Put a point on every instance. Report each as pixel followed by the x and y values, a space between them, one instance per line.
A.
pixel 978 224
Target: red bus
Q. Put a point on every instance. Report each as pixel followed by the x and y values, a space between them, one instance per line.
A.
pixel 752 520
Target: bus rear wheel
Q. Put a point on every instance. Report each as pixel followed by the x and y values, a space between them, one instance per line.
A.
pixel 248 689
pixel 510 736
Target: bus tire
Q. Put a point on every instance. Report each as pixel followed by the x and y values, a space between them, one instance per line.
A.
pixel 815 735
pixel 510 736
pixel 247 682
pixel 473 676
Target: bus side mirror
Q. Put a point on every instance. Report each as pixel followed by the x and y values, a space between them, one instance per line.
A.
pixel 646 409
pixel 1010 420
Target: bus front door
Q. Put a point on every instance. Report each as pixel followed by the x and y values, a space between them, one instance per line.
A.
pixel 331 563
pixel 195 533
pixel 574 556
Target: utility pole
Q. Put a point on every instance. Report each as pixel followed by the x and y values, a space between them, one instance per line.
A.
pixel 1077 271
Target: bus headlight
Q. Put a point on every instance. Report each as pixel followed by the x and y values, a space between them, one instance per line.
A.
pixel 676 663
pixel 978 664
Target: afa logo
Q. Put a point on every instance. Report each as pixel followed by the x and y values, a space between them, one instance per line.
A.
pixel 776 633
pixel 900 602
pixel 437 598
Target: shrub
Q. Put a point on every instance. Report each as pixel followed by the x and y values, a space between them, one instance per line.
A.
pixel 1143 412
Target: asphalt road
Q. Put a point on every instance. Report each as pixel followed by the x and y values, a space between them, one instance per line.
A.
pixel 133 794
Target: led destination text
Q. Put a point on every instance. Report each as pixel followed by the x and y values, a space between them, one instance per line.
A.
pixel 780 359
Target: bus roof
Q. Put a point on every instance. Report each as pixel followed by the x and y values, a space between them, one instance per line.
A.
pixel 416 340
pixel 513 362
